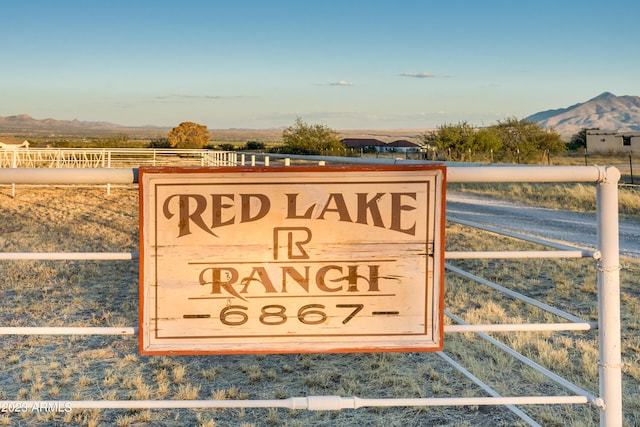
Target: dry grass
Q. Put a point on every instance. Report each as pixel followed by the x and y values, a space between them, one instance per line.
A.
pixel 577 197
pixel 73 293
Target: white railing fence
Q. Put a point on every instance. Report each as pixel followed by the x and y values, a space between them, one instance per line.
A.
pixel 113 157
pixel 609 398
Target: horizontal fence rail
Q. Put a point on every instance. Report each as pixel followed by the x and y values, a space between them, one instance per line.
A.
pixel 609 400
pixel 125 176
pixel 312 403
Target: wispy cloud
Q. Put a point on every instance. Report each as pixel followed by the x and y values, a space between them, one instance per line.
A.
pixel 419 75
pixel 204 97
pixel 341 83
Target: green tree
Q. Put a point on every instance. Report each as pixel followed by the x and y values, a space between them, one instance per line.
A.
pixel 189 135
pixel 303 138
pixel 461 141
pixel 487 142
pixel 548 142
pixel 511 140
pixel 254 145
pixel 579 140
pixel 159 143
pixel 523 140
pixel 513 134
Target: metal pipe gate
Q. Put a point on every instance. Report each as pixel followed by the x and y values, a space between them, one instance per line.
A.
pixel 609 400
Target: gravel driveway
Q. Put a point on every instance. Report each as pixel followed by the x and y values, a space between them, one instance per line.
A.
pixel 578 229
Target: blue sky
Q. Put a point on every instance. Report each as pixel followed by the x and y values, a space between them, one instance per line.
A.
pixel 345 64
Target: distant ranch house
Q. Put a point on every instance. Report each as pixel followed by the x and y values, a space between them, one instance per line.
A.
pixel 403 145
pixel 375 145
pixel 366 144
pixel 611 142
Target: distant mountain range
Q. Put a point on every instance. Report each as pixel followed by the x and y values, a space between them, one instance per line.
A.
pixel 606 112
pixel 25 125
pixel 25 120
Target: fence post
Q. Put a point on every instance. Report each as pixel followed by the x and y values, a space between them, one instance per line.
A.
pixel 14 164
pixel 109 166
pixel 610 370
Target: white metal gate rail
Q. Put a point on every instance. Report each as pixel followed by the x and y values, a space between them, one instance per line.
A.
pixel 609 400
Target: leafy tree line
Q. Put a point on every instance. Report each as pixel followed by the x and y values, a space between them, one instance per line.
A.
pixel 511 140
pixel 300 138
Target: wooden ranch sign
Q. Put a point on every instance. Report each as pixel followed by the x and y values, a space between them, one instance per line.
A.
pixel 291 259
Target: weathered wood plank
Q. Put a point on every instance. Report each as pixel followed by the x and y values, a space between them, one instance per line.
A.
pixel 291 259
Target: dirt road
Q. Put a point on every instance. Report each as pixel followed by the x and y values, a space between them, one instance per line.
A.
pixel 578 229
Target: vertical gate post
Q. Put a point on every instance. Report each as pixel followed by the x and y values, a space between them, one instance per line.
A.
pixel 14 164
pixel 610 369
pixel 109 166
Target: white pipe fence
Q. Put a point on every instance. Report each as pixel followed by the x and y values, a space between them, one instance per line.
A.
pixel 312 403
pixel 113 157
pixel 609 400
pixel 97 158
